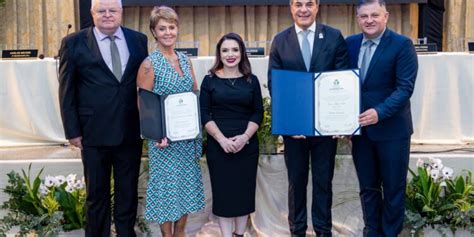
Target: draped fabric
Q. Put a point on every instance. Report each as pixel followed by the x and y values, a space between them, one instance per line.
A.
pixel 42 23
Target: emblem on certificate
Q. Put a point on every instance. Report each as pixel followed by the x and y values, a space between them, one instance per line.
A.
pixel 315 104
pixel 174 116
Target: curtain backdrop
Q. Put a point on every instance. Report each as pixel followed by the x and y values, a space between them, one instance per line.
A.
pixel 41 24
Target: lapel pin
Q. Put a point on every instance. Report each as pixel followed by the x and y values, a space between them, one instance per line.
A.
pixel 321 36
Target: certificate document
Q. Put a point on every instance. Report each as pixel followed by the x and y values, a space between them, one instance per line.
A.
pixel 337 103
pixel 182 116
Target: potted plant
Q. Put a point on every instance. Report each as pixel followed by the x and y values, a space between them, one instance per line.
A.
pixel 53 206
pixel 268 143
pixel 436 200
pixel 45 207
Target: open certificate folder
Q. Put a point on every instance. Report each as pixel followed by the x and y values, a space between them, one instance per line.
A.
pixel 315 104
pixel 174 116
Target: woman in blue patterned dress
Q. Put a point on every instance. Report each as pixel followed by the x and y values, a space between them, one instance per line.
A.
pixel 175 187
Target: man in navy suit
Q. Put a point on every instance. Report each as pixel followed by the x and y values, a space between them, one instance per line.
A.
pixel 388 68
pixel 310 47
pixel 98 102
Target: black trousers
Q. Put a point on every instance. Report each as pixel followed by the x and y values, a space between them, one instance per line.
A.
pixel 99 163
pixel 321 152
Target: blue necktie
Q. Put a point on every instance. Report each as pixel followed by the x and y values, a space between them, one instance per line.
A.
pixel 364 66
pixel 306 49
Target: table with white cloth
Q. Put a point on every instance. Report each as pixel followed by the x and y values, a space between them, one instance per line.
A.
pixel 441 107
pixel 441 103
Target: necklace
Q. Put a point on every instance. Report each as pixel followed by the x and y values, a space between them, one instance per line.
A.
pixel 232 81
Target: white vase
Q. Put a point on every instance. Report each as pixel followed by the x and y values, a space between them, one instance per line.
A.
pixel 438 232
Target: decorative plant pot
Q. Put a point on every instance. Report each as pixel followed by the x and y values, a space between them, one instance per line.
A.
pixel 437 232
pixel 73 233
pixel 445 232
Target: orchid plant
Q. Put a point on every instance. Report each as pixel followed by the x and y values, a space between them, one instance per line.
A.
pixel 435 197
pixel 46 206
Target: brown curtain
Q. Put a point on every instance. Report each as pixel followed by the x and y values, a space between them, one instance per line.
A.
pixel 41 24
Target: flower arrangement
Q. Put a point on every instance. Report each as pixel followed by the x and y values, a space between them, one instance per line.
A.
pixel 436 198
pixel 46 206
pixel 268 142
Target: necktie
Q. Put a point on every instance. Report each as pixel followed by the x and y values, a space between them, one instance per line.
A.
pixel 306 50
pixel 364 66
pixel 116 64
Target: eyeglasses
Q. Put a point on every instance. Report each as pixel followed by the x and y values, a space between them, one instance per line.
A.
pixel 112 11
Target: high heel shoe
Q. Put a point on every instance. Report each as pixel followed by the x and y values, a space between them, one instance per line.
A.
pixel 237 235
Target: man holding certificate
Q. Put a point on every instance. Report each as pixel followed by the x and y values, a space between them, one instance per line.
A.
pixel 388 68
pixel 308 47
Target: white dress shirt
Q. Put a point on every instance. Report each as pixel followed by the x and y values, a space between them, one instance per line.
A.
pixel 311 35
pixel 104 47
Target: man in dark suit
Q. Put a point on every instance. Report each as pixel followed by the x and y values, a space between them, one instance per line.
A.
pixel 98 102
pixel 388 68
pixel 311 47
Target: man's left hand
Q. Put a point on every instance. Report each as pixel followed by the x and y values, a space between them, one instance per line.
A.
pixel 368 117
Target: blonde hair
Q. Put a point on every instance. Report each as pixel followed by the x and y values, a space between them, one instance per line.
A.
pixel 162 13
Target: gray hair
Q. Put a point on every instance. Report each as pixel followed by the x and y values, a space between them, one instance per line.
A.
pixel 93 2
pixel 317 2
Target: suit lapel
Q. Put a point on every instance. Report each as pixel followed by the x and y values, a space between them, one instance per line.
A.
pixel 317 46
pixel 384 42
pixel 91 43
pixel 294 44
pixel 132 60
pixel 354 51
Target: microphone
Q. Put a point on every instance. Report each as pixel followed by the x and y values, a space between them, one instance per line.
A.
pixel 69 26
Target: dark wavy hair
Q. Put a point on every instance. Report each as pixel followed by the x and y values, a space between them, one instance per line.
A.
pixel 244 64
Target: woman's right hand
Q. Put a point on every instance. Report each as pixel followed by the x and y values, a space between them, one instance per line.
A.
pixel 163 143
pixel 227 145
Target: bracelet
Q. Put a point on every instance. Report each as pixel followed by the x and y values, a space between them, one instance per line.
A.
pixel 248 137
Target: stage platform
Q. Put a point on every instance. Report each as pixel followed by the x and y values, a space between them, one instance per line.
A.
pixel 271 211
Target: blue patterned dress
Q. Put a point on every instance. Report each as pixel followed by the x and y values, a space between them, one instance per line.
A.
pixel 175 187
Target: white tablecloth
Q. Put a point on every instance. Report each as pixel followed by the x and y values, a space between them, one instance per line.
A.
pixel 441 104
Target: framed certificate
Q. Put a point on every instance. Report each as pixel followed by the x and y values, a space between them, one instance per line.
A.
pixel 174 116
pixel 315 104
pixel 337 103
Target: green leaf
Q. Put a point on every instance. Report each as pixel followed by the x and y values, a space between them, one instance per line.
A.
pixel 426 208
pixel 460 185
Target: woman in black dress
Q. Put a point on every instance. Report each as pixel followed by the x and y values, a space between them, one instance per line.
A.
pixel 231 111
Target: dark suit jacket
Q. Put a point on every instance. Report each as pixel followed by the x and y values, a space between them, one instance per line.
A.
pixel 93 103
pixel 329 52
pixel 388 85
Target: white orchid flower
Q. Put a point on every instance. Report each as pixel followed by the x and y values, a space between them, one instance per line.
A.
pixel 420 163
pixel 60 179
pixel 436 164
pixel 43 189
pixel 434 173
pixel 447 173
pixel 49 181
pixel 71 179
pixel 79 184
pixel 70 189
